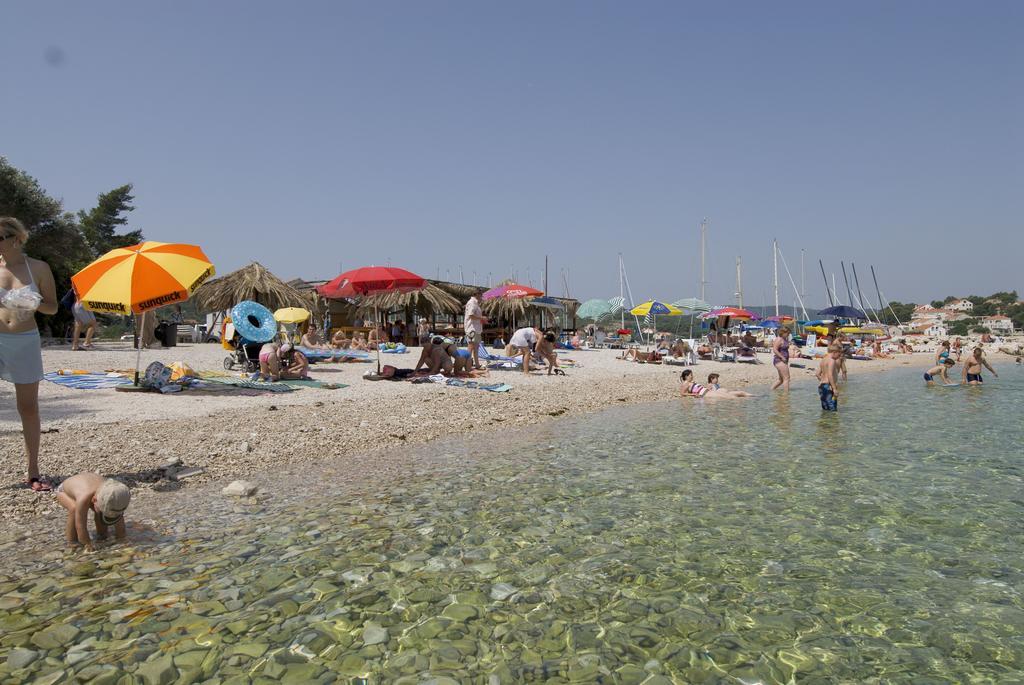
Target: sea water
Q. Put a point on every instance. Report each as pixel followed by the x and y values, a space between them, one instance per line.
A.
pixel 751 541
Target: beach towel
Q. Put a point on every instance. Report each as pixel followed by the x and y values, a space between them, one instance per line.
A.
pixel 87 381
pixel 265 386
pixel 392 348
pixel 473 385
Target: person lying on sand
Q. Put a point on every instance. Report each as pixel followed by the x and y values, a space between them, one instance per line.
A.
pixel 941 370
pixel 691 388
pixel 643 357
pixel 107 498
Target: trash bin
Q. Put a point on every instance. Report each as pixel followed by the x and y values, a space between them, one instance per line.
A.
pixel 167 334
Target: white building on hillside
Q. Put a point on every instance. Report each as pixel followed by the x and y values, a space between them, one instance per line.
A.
pixel 933 329
pixel 997 324
pixel 961 305
pixel 926 314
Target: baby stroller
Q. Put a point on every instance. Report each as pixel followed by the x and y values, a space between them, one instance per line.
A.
pixel 245 355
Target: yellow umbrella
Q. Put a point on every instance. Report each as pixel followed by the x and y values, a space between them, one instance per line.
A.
pixel 142 277
pixel 655 308
pixel 291 315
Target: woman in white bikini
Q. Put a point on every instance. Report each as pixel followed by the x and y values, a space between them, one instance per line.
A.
pixel 26 286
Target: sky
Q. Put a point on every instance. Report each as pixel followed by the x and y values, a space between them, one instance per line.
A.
pixel 468 140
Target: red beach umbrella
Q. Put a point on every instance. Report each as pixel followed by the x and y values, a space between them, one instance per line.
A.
pixel 731 312
pixel 512 291
pixel 370 280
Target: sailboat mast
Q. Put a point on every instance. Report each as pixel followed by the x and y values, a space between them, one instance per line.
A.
pixel 849 293
pixel 703 243
pixel 803 289
pixel 739 283
pixel 831 302
pixel 622 322
pixel 881 307
pixel 775 271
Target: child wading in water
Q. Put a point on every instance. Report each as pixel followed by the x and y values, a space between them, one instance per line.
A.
pixel 941 371
pixel 108 500
pixel 827 380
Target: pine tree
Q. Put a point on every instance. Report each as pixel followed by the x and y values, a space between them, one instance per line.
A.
pixel 100 224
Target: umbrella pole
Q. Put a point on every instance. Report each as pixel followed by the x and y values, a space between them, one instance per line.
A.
pixel 376 316
pixel 138 346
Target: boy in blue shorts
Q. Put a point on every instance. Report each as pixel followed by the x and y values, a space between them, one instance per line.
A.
pixel 827 380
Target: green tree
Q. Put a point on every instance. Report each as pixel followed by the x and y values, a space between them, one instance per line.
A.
pixel 962 327
pixel 54 234
pixel 903 312
pixel 101 223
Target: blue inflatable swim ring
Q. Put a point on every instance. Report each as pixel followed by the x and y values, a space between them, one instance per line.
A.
pixel 254 322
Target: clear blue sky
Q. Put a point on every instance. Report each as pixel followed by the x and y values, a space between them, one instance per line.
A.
pixel 434 135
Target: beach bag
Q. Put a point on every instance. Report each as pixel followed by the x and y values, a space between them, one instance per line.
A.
pixel 157 376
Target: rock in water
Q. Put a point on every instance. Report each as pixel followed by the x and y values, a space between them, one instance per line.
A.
pixel 374 634
pixel 20 658
pixel 239 488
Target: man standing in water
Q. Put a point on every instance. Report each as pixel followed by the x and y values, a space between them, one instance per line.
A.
pixel 827 380
pixel 972 368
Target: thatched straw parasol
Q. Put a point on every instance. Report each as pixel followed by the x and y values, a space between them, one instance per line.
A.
pixel 254 282
pixel 430 300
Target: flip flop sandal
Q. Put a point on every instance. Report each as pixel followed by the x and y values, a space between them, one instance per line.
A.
pixel 559 372
pixel 38 485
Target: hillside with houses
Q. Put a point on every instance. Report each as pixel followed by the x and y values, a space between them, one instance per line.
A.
pixel 998 314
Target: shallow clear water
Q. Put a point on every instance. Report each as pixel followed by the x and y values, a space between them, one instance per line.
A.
pixel 749 541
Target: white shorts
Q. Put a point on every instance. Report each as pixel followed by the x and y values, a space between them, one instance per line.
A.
pixel 21 357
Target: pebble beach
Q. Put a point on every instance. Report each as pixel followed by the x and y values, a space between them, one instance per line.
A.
pixel 159 444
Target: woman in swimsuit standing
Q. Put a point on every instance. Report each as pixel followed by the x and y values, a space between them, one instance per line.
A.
pixel 26 286
pixel 780 358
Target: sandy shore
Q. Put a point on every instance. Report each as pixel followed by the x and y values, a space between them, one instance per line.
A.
pixel 131 435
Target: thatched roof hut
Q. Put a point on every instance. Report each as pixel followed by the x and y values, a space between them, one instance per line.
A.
pixel 431 300
pixel 254 282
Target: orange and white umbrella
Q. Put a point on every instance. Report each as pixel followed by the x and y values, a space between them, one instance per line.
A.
pixel 142 277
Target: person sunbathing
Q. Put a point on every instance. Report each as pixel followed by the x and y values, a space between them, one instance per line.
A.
pixel 681 349
pixel 691 388
pixel 339 340
pixel 705 351
pixel 653 357
pixel 359 342
pixel 313 340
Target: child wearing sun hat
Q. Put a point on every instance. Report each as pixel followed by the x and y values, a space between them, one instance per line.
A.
pixel 107 498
